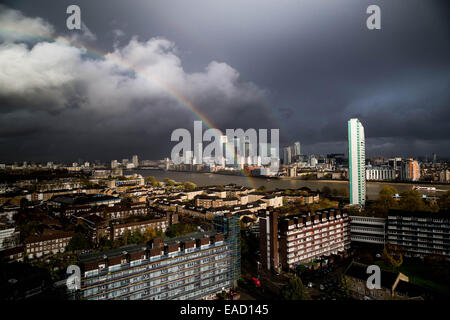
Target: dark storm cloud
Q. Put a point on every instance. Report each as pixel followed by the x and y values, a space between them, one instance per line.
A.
pixel 305 67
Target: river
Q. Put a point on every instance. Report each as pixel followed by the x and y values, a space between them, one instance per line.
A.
pixel 205 179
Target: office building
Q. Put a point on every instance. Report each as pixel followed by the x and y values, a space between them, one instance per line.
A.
pixel 356 159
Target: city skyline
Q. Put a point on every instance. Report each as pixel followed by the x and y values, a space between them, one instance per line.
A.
pixel 120 86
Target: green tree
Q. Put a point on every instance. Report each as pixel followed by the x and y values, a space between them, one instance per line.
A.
pixel 326 191
pixel 385 200
pixel 344 286
pixel 444 202
pixel 392 256
pixel 136 237
pixel 127 201
pixel 412 201
pixel 79 242
pixel 261 189
pixel 152 181
pixel 24 203
pixel 170 182
pixel 294 290
pixel 189 186
pixel 180 229
pixel 342 192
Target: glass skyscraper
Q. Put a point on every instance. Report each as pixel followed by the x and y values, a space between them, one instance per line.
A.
pixel 356 162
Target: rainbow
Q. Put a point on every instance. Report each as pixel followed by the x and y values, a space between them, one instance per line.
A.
pixel 121 62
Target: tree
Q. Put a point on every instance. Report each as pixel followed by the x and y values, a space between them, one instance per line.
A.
pixel 412 201
pixel 180 229
pixel 189 186
pixel 24 203
pixel 78 242
pixel 261 189
pixel 344 287
pixel 444 202
pixel 152 181
pixel 342 192
pixel 170 182
pixel 104 243
pixel 326 191
pixel 392 255
pixel 294 290
pixel 136 237
pixel 127 201
pixel 149 234
pixel 300 269
pixel 385 200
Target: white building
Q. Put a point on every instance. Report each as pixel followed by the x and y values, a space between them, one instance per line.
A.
pixel 380 173
pixel 297 149
pixel 356 162
pixel 287 155
pixel 135 161
pixel 9 238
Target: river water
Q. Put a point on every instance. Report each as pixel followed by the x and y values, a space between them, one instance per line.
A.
pixel 205 179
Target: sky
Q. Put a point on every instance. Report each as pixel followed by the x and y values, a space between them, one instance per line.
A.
pixel 137 69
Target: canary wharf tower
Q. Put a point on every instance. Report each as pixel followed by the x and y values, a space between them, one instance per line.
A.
pixel 356 162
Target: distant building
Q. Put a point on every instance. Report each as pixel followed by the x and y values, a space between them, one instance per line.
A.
pixel 292 172
pixel 356 159
pixel 380 174
pixel 135 161
pixel 114 164
pixel 297 150
pixel 287 155
pixel 410 170
pixel 444 176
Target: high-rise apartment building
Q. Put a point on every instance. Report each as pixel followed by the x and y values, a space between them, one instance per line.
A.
pixel 286 242
pixel 287 155
pixel 410 170
pixel 193 266
pixel 419 234
pixel 135 161
pixel 297 149
pixel 356 162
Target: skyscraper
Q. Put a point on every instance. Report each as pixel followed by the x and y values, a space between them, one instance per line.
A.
pixel 296 149
pixel 287 155
pixel 356 162
pixel 135 160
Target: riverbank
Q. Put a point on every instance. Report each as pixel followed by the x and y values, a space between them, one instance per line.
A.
pixel 400 183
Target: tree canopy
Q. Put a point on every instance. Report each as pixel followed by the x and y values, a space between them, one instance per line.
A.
pixel 294 290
